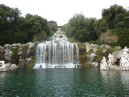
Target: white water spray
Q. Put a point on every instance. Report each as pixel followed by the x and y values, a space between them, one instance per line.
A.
pixel 57 53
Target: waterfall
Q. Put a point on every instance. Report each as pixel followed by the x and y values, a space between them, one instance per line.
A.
pixel 57 53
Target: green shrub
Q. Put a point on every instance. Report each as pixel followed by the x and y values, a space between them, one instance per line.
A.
pixel 31 64
pixel 99 56
pixel 24 51
pixel 1 56
pixel 15 56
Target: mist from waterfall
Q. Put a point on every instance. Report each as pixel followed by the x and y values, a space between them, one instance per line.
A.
pixel 57 53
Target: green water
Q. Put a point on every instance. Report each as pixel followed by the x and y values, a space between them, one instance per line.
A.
pixel 64 83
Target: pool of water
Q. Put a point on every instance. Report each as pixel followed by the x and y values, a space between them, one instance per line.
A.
pixel 64 83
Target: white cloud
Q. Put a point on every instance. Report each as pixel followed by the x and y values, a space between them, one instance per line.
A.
pixel 62 10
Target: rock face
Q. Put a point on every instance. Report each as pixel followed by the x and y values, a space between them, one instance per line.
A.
pixel 123 56
pixel 95 53
pixel 88 47
pixel 8 66
pixel 2 66
pixel 103 64
pixel 109 64
pixel 111 59
pixel 8 54
pixel 124 60
pixel 23 55
pixel 114 58
pixel 13 67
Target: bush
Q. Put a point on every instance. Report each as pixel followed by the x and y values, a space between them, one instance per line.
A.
pixel 15 56
pixel 123 36
pixel 108 38
pixel 1 55
pixel 31 64
pixel 99 56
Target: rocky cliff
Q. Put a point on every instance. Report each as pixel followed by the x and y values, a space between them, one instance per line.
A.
pixel 23 55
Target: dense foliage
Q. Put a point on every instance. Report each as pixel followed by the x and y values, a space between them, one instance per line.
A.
pixel 112 28
pixel 14 28
pixel 52 26
pixel 116 17
pixel 81 28
pixel 117 20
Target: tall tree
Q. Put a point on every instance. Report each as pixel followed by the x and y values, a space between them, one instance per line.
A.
pixel 35 25
pixel 81 28
pixel 101 26
pixel 14 28
pixel 9 23
pixel 52 26
pixel 114 16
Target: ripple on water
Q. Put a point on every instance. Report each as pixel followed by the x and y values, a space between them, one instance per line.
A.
pixel 64 83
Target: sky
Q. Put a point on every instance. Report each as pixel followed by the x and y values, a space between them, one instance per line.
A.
pixel 62 10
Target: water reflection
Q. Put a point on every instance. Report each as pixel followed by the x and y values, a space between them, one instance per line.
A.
pixel 125 81
pixel 19 83
pixel 116 82
pixel 64 83
pixel 2 78
pixel 55 82
pixel 2 75
pixel 125 77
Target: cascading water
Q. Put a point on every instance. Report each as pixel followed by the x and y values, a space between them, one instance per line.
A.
pixel 57 53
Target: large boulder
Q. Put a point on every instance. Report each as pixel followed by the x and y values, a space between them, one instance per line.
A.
pixel 88 47
pixel 13 67
pixel 3 66
pixel 7 66
pixel 23 55
pixel 14 46
pixel 31 49
pixel 8 54
pixel 92 46
pixel 103 64
pixel 105 46
pixel 1 49
pixel 92 56
pixel 22 63
pixel 113 63
pixel 117 54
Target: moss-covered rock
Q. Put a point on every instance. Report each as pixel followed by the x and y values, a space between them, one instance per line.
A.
pixel 1 55
pixel 82 55
pixel 24 51
pixel 99 56
pixel 31 63
pixel 15 56
pixel 23 55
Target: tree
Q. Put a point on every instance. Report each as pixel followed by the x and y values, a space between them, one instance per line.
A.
pixel 52 26
pixel 81 28
pixel 9 24
pixel 35 26
pixel 101 26
pixel 114 16
pixel 123 35
pixel 14 28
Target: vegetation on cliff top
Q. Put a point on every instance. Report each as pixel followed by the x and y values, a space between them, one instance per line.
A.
pixel 112 28
pixel 17 29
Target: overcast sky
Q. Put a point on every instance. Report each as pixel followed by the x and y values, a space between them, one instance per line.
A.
pixel 62 10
